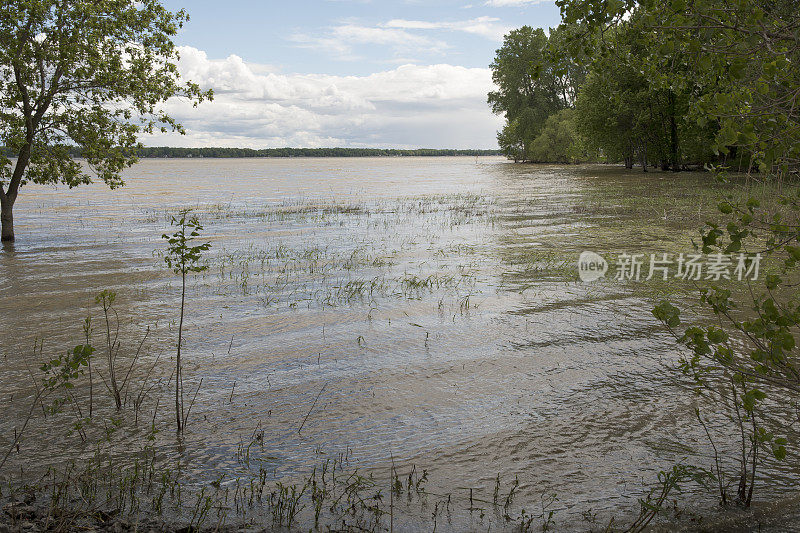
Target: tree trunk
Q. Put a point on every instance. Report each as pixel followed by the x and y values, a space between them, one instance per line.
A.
pixel 7 218
pixel 643 157
pixel 178 374
pixel 673 134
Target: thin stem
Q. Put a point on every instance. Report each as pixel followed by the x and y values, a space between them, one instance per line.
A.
pixel 178 377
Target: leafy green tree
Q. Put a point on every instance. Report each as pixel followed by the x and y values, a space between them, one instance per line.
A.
pixel 753 49
pixel 91 74
pixel 736 64
pixel 608 111
pixel 534 80
pixel 635 104
pixel 559 141
pixel 515 72
pixel 730 71
pixel 568 64
pixel 510 141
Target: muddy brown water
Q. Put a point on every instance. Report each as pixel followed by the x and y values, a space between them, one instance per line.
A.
pixel 421 310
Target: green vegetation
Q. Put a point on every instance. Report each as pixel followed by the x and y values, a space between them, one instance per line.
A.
pixel 172 152
pixel 728 71
pixel 536 78
pixel 85 76
pixel 183 258
pixel 307 152
pixel 701 82
pixel 667 84
pixel 559 140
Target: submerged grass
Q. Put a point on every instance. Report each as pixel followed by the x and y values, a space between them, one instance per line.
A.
pixel 135 480
pixel 310 252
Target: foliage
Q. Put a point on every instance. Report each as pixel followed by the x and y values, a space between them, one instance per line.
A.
pixel 733 65
pixel 620 113
pixel 85 74
pixel 559 141
pixel 183 258
pixel 636 103
pixel 750 360
pixel 535 78
pixel 671 84
pixel 61 372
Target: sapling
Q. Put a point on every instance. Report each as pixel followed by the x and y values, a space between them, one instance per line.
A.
pixel 106 300
pixel 60 374
pixel 183 258
pixel 87 333
pixel 748 364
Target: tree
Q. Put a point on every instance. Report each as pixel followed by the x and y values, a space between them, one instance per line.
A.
pixel 510 141
pixel 559 141
pixel 737 63
pixel 85 74
pixel 608 111
pixel 744 88
pixel 528 91
pixel 536 76
pixel 183 258
pixel 635 103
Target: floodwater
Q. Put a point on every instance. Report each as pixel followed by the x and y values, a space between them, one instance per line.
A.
pixel 421 311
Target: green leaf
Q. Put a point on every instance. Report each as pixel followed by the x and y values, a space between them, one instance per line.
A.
pixel 668 314
pixel 779 452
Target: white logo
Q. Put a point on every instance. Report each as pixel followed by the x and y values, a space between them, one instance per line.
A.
pixel 591 266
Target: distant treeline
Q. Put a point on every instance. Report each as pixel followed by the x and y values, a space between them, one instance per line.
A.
pixel 165 151
pixel 162 151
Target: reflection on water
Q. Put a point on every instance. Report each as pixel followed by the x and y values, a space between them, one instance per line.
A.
pixel 432 306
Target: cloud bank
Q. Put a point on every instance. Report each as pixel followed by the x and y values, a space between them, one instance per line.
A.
pixel 411 106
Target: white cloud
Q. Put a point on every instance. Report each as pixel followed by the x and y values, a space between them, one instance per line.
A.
pixel 340 41
pixel 402 37
pixel 507 3
pixel 488 27
pixel 408 106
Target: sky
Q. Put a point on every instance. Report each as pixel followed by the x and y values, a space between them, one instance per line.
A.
pixel 348 73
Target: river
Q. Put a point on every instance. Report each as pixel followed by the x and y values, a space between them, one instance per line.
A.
pixel 421 311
